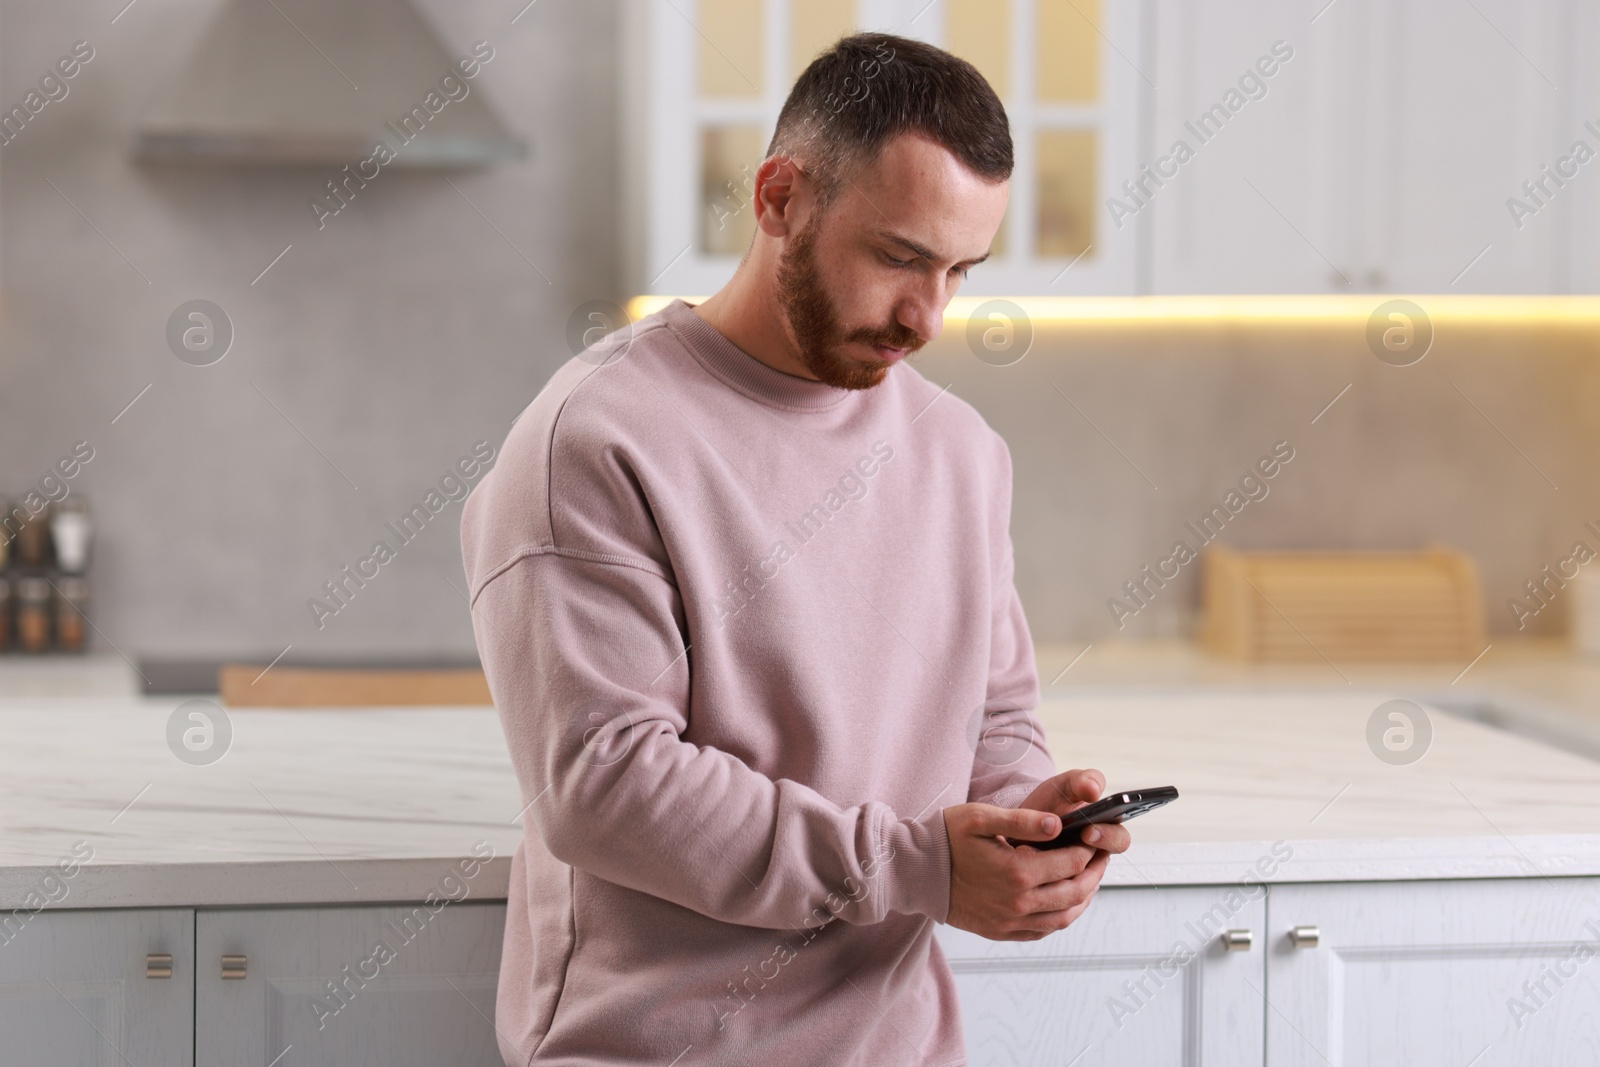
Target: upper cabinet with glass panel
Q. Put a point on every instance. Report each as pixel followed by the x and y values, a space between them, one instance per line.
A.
pixel 1364 146
pixel 704 82
pixel 1402 146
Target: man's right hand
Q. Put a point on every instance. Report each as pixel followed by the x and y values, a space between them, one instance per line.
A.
pixel 1015 894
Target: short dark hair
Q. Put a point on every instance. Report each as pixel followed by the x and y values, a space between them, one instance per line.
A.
pixel 869 88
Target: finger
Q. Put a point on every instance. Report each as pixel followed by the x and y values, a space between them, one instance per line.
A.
pixel 1021 935
pixel 1043 923
pixel 1048 922
pixel 1063 791
pixel 1072 893
pixel 1086 784
pixel 1055 866
pixel 1089 880
pixel 1110 837
pixel 1069 892
pixel 1094 871
pixel 1086 876
pixel 1014 824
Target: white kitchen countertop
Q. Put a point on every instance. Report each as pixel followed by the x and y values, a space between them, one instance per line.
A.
pixel 1255 768
pixel 324 806
pixel 369 805
pixel 1537 687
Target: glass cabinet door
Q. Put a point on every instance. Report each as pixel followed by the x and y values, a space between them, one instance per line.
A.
pixel 705 80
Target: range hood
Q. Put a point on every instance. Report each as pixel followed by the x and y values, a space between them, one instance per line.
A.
pixel 286 82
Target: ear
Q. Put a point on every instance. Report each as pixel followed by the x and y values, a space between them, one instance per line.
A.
pixel 780 187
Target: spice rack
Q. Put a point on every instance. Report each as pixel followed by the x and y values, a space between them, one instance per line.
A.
pixel 44 581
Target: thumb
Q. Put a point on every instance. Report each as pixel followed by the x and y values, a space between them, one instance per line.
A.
pixel 1017 824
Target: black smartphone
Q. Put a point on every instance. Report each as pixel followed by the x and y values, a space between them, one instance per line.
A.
pixel 1113 807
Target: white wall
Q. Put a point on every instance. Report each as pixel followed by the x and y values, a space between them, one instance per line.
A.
pixel 393 339
pixel 408 329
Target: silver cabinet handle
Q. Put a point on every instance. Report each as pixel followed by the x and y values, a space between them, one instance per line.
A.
pixel 1236 940
pixel 1305 936
pixel 158 965
pixel 233 966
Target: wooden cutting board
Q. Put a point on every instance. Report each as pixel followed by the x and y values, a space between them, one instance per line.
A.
pixel 1341 606
pixel 244 685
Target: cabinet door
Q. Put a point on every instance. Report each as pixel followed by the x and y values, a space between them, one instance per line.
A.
pixel 77 988
pixel 348 986
pixel 1448 108
pixel 1488 972
pixel 1141 978
pixel 1383 156
pixel 1259 206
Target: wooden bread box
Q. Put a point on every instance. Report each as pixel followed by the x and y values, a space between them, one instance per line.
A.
pixel 1345 607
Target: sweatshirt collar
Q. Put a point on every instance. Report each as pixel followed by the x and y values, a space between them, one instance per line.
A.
pixel 741 371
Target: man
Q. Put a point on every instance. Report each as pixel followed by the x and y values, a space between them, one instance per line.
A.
pixel 742 588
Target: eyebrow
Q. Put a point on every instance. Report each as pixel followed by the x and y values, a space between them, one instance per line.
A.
pixel 925 253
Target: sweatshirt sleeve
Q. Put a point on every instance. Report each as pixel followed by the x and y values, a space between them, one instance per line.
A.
pixel 1010 757
pixel 585 659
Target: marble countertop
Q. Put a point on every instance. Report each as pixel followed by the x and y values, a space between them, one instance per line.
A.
pixel 1537 688
pixel 324 806
pixel 1296 767
pixel 370 805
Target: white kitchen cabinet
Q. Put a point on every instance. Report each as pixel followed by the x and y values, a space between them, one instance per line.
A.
pixel 704 80
pixel 88 988
pixel 1382 155
pixel 1449 108
pixel 1488 972
pixel 393 986
pixel 1141 978
pixel 1258 205
pixel 1435 973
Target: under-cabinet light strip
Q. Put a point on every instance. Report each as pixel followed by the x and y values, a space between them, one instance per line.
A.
pixel 1331 308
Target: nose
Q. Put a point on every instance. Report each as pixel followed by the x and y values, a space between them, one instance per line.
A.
pixel 923 313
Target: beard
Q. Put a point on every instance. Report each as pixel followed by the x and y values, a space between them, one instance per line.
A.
pixel 815 323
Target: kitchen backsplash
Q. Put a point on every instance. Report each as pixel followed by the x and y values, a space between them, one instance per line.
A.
pixel 242 459
pixel 364 359
pixel 1126 439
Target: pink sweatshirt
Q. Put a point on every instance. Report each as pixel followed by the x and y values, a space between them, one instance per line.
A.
pixel 748 635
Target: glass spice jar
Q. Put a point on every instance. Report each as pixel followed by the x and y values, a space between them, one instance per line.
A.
pixel 72 601
pixel 71 533
pixel 33 539
pixel 9 524
pixel 5 612
pixel 33 614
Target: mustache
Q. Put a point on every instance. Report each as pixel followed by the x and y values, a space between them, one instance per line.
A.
pixel 891 337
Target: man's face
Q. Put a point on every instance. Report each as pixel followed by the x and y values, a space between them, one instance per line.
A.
pixel 865 282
